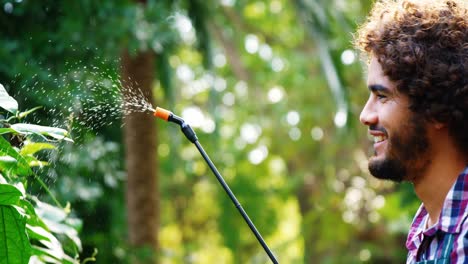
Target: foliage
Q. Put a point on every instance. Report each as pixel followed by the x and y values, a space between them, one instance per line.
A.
pixel 32 231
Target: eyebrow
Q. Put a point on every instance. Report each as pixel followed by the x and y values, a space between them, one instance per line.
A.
pixel 378 88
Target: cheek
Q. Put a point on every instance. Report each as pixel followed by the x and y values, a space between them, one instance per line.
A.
pixel 393 116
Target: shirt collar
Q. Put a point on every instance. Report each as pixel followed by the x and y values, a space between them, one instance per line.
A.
pixel 451 217
pixel 454 209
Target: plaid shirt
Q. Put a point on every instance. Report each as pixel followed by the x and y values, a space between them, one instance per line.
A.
pixel 451 221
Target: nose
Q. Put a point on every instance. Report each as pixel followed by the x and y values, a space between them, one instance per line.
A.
pixel 368 114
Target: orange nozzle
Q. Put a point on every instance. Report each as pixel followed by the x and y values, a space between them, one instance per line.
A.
pixel 162 113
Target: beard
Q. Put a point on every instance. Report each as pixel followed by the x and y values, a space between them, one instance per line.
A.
pixel 407 153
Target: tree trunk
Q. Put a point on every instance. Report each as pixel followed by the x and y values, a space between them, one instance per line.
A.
pixel 304 195
pixel 140 141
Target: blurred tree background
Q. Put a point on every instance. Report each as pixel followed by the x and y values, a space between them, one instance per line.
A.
pixel 273 89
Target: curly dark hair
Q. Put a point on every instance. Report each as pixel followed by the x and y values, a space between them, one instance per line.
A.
pixel 422 46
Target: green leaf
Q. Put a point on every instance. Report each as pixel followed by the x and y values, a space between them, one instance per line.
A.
pixel 6 130
pixel 52 256
pixel 32 148
pixel 21 167
pixel 50 213
pixel 54 132
pixel 38 163
pixel 52 249
pixel 70 232
pixel 14 244
pixel 9 195
pixel 33 219
pixel 7 160
pixel 31 160
pixel 40 256
pixel 56 220
pixel 7 102
pixel 39 233
pixel 23 114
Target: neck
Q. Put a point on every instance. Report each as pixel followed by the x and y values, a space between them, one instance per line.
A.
pixel 438 177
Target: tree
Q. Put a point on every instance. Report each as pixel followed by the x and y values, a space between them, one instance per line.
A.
pixel 140 141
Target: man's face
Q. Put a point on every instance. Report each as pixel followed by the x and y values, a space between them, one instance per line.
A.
pixel 401 145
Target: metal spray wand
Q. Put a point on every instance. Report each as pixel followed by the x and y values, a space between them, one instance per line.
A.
pixel 190 134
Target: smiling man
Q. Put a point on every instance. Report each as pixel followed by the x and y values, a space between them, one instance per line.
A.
pixel 417 113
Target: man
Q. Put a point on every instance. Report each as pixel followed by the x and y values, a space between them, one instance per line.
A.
pixel 417 113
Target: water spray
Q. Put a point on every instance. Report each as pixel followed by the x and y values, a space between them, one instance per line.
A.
pixel 192 137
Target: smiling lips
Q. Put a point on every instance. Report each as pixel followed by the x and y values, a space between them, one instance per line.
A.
pixel 379 138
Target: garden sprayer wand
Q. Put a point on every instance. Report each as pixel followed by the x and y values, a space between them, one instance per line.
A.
pixel 190 134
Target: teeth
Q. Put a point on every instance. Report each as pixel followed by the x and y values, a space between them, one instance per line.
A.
pixel 379 139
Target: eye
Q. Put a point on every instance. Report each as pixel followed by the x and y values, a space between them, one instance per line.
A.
pixel 381 97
